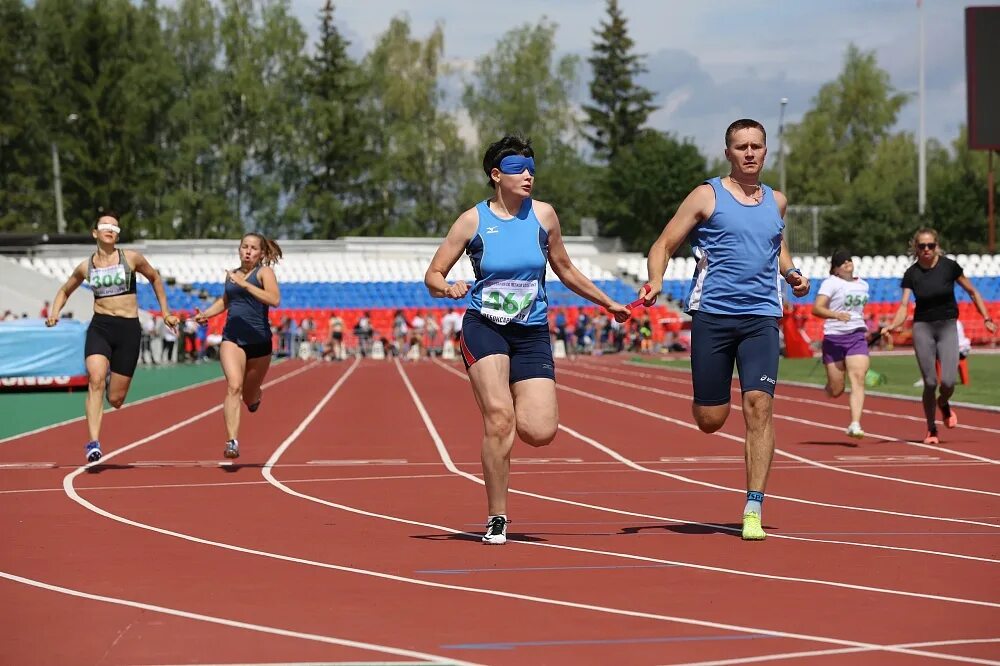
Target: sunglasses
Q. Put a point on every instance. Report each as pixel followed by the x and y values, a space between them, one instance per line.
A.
pixel 927 246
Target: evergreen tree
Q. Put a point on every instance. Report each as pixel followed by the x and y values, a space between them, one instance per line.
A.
pixel 332 196
pixel 26 201
pixel 620 107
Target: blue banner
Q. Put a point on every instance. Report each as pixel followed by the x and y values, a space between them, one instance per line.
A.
pixel 28 348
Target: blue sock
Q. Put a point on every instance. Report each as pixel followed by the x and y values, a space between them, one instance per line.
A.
pixel 755 500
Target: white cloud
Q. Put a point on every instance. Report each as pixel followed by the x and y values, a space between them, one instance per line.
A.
pixel 709 61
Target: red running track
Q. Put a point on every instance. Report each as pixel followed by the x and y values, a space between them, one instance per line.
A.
pixel 348 531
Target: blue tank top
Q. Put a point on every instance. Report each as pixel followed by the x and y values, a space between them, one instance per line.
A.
pixel 737 253
pixel 509 258
pixel 247 322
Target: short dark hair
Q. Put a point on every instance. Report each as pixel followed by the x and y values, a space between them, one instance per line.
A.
pixel 512 144
pixel 742 124
pixel 107 212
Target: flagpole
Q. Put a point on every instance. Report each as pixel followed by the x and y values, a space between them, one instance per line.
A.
pixel 922 167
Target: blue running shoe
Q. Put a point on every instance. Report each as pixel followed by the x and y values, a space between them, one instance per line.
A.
pixel 93 451
pixel 232 449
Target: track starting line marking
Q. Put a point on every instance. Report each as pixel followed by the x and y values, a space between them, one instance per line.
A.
pixel 889 458
pixel 28 465
pixel 179 463
pixel 377 461
pixel 701 459
pixel 536 461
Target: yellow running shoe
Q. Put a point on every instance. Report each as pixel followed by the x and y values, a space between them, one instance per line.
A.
pixel 752 531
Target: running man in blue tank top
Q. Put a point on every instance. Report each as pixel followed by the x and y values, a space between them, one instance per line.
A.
pixel 736 228
pixel 245 352
pixel 505 333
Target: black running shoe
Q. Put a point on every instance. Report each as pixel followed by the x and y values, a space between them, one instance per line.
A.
pixel 496 531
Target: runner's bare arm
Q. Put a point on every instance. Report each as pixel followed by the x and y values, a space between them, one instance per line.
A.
pixel 696 207
pixel 143 267
pixel 447 255
pixel 76 278
pixel 568 273
pixel 900 317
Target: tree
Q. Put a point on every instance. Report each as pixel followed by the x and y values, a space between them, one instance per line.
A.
pixel 261 88
pixel 879 210
pixel 413 183
pixel 838 137
pixel 519 88
pixel 195 198
pixel 620 106
pixel 24 202
pixel 335 136
pixel 957 195
pixel 645 184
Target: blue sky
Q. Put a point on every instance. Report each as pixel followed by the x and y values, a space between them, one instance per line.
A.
pixel 710 61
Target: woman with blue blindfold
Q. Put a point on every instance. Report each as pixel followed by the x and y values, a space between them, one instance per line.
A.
pixel 511 239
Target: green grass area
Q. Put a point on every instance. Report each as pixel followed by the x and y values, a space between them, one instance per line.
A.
pixel 27 411
pixel 900 372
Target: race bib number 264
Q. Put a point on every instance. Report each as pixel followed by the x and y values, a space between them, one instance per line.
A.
pixel 507 300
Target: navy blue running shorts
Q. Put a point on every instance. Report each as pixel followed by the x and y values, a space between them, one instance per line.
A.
pixel 719 341
pixel 528 347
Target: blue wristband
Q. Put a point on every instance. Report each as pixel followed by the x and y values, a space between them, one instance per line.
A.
pixel 791 270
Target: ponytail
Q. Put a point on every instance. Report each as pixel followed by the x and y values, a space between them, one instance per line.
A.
pixel 270 251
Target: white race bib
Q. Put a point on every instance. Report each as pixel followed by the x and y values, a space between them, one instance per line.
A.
pixel 507 300
pixel 109 281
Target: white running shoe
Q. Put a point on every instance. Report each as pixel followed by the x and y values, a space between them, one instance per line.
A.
pixel 496 531
pixel 854 430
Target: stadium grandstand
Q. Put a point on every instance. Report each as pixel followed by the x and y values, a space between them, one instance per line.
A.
pixel 380 276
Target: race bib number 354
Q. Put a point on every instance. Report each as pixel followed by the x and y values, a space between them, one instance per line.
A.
pixel 507 300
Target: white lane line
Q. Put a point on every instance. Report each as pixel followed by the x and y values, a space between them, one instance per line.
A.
pixel 815 424
pixel 662 373
pixel 783 398
pixel 446 459
pixel 825 653
pixel 324 663
pixel 332 640
pixel 691 426
pixel 122 409
pixel 620 458
pixel 72 493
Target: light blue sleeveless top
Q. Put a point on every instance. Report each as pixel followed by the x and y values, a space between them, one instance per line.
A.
pixel 509 258
pixel 737 253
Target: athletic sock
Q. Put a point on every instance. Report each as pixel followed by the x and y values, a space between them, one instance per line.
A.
pixel 755 499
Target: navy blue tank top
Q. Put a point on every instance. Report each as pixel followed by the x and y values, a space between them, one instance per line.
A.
pixel 247 322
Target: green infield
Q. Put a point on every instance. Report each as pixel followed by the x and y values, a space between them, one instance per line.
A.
pixel 24 411
pixel 899 371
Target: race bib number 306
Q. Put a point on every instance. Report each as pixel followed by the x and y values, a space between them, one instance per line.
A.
pixel 507 300
pixel 108 281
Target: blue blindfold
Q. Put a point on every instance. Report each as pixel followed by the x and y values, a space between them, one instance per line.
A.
pixel 515 164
